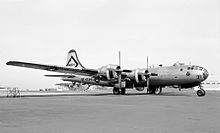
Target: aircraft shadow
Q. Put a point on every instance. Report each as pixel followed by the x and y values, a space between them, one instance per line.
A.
pixel 162 94
pixel 109 94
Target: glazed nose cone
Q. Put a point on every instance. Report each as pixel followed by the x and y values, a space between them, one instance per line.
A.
pixel 205 74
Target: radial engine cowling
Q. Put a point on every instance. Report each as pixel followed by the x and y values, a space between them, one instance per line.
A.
pixel 109 71
pixel 139 77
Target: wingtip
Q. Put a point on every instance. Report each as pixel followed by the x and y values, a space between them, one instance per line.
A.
pixel 11 62
pixel 8 63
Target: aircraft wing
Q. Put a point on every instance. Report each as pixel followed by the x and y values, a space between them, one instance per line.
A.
pixel 53 68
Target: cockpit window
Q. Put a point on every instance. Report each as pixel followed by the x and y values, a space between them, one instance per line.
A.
pixel 196 68
pixel 200 68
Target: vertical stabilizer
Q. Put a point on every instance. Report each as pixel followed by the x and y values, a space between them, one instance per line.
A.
pixel 73 61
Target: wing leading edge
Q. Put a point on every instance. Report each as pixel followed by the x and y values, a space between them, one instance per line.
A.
pixel 54 68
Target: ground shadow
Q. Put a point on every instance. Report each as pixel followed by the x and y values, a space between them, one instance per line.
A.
pixel 108 94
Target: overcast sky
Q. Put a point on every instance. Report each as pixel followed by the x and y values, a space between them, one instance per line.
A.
pixel 167 31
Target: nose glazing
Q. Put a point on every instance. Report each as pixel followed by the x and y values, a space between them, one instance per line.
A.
pixel 205 74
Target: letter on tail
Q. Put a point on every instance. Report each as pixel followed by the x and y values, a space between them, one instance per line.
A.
pixel 73 61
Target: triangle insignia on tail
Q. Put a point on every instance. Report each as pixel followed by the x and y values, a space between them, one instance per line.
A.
pixel 72 62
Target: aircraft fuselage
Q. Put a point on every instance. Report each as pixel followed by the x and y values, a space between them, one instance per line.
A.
pixel 183 76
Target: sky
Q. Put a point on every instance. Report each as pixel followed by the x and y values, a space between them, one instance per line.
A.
pixel 44 31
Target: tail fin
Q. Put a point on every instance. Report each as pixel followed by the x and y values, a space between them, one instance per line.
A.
pixel 73 61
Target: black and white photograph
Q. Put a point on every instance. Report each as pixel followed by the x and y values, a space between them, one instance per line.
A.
pixel 109 66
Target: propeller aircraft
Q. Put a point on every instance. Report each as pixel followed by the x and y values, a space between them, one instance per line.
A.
pixel 154 79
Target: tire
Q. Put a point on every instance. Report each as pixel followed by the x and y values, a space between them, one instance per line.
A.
pixel 151 90
pixel 158 91
pixel 200 92
pixel 123 91
pixel 116 91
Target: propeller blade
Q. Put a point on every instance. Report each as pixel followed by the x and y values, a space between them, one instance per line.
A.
pixel 119 72
pixel 119 55
pixel 148 84
pixel 147 77
pixel 127 71
pixel 153 74
pixel 147 63
pixel 149 74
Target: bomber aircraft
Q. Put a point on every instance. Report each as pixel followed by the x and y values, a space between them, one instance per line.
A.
pixel 154 79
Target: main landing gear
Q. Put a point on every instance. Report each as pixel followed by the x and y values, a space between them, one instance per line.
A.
pixel 154 90
pixel 117 91
pixel 200 92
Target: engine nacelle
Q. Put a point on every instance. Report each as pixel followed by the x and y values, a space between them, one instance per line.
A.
pixel 109 71
pixel 139 77
pixel 139 88
pixel 111 74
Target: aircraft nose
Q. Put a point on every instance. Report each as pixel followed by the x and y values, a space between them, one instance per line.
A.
pixel 205 74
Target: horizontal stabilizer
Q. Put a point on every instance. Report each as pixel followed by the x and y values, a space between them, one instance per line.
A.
pixel 62 76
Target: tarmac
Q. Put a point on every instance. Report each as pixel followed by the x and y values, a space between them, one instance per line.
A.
pixel 100 111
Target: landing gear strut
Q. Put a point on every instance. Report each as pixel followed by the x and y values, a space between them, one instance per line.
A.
pixel 158 90
pixel 154 90
pixel 200 92
pixel 123 90
pixel 116 91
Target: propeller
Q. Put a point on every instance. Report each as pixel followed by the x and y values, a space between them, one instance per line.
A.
pixel 119 68
pixel 147 75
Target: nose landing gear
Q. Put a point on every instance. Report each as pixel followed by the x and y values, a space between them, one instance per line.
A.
pixel 200 92
pixel 154 90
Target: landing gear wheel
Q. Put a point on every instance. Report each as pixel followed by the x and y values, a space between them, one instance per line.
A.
pixel 116 91
pixel 151 91
pixel 200 92
pixel 123 90
pixel 158 91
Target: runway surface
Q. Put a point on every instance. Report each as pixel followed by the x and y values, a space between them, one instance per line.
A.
pixel 172 112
